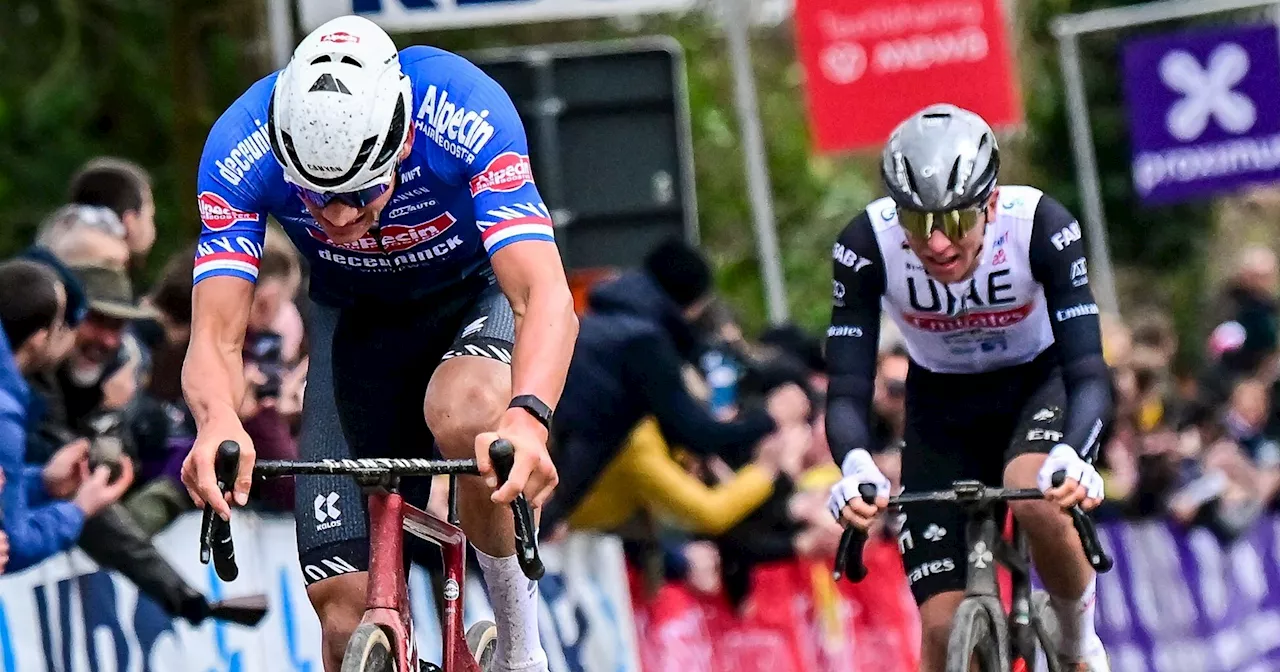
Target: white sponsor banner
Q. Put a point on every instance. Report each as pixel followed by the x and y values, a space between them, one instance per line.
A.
pixel 421 15
pixel 66 615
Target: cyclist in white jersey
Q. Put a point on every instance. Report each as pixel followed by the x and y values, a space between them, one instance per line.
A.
pixel 989 285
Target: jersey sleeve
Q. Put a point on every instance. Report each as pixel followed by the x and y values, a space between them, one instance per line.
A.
pixel 508 207
pixel 858 283
pixel 229 193
pixel 1058 262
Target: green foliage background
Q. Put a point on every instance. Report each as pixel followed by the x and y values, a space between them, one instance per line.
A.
pixel 145 79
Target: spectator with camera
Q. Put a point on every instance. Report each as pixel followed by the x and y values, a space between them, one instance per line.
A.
pixel 90 396
pixel 275 380
pixel 35 337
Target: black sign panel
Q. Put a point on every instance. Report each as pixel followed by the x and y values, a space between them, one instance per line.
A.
pixel 609 138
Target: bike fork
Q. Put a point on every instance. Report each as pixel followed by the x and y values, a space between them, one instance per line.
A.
pixel 388 594
pixel 456 654
pixel 1022 636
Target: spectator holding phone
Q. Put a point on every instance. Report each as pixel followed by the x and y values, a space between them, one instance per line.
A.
pixel 91 395
pixel 273 396
pixel 32 312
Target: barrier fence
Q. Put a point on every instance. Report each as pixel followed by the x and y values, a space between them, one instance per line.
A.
pixel 1176 601
pixel 66 615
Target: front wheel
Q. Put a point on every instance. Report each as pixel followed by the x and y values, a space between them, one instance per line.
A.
pixel 482 641
pixel 1039 613
pixel 369 650
pixel 973 641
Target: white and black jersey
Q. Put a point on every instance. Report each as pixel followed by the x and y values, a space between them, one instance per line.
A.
pixel 1028 299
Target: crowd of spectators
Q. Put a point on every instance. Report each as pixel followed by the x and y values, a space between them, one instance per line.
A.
pixel 704 450
pixel 94 424
pixel 1199 446
pixel 704 503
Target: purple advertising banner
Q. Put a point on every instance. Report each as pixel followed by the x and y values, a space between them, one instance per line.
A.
pixel 1204 111
pixel 1179 600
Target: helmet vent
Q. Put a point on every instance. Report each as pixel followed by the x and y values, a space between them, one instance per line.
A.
pixel 327 82
pixel 953 182
pixel 271 128
pixel 391 145
pixel 351 61
pixel 911 176
pixel 321 59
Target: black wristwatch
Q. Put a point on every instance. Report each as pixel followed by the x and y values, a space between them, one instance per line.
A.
pixel 540 411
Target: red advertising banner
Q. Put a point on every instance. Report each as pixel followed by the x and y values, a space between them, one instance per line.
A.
pixel 795 619
pixel 869 64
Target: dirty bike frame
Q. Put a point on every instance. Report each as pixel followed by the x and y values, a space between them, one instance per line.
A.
pixel 386 606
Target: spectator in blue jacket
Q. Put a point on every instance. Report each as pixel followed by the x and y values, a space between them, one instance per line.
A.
pixel 38 523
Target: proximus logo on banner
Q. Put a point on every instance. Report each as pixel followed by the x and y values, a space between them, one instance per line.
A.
pixel 1204 111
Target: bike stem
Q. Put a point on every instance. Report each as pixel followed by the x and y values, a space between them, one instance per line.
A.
pixel 981 538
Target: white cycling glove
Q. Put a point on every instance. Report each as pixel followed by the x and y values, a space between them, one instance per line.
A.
pixel 1065 458
pixel 858 468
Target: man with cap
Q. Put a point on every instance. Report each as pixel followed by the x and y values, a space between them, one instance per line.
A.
pixel 633 344
pixel 34 336
pixel 107 361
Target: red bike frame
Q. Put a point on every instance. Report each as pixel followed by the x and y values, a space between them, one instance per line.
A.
pixel 387 602
pixel 388 596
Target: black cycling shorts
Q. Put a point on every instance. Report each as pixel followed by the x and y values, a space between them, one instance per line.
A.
pixel 967 427
pixel 366 384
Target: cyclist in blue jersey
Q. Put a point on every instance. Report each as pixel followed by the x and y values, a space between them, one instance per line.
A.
pixel 441 309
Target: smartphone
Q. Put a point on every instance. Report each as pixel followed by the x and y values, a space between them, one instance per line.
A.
pixel 266 350
pixel 106 445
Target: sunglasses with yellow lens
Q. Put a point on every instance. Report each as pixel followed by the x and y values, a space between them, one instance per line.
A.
pixel 953 224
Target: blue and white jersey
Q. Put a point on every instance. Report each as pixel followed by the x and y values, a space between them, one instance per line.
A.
pixel 465 191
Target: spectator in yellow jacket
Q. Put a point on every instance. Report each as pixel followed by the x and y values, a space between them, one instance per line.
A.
pixel 646 477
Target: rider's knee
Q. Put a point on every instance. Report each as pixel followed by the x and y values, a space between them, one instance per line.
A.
pixel 1023 470
pixel 935 620
pixel 339 603
pixel 1036 516
pixel 1032 514
pixel 461 406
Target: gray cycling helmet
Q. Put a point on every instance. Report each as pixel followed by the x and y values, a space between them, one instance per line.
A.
pixel 941 158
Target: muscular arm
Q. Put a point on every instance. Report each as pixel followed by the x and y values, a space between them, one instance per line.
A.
pixel 532 277
pixel 213 372
pixel 518 234
pixel 858 284
pixel 1057 254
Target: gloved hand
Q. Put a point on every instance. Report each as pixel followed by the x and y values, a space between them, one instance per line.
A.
pixel 846 502
pixel 1083 484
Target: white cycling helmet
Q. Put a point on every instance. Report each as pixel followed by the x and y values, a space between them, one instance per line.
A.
pixel 339 113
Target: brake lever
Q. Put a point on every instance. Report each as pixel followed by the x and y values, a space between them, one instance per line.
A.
pixel 852 540
pixel 503 456
pixel 1088 532
pixel 215 533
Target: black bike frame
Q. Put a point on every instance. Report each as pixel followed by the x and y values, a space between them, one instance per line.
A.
pixel 987 548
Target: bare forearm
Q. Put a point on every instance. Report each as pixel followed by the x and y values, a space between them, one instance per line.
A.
pixel 213 382
pixel 213 373
pixel 546 329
